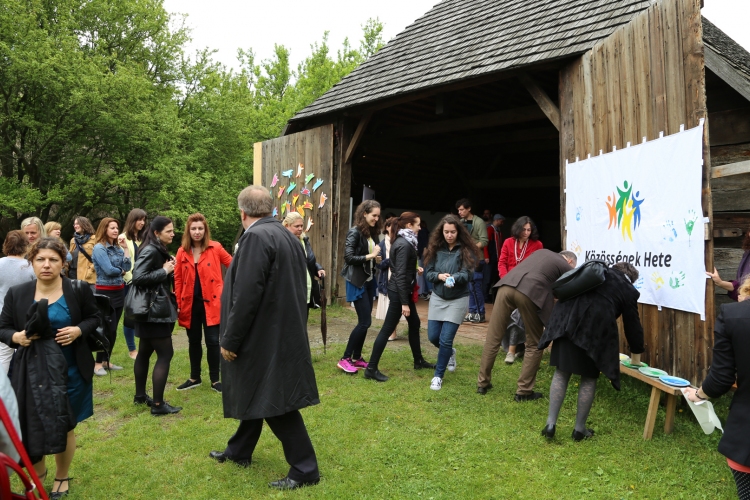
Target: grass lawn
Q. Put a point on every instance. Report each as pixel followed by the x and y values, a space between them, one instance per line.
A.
pixel 398 440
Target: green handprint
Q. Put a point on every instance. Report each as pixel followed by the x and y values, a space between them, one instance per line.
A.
pixel 678 280
pixel 657 279
pixel 690 224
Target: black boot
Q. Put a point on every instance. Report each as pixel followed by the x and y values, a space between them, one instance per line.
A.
pixel 418 365
pixel 549 431
pixel 374 374
pixel 164 409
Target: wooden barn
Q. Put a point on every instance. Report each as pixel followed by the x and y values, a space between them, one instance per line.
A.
pixel 489 98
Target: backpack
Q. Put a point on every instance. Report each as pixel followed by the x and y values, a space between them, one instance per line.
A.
pixel 99 340
pixel 578 281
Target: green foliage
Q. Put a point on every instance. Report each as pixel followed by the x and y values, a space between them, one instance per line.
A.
pixel 101 111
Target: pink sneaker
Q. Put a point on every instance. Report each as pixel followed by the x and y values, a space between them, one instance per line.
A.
pixel 347 366
pixel 360 364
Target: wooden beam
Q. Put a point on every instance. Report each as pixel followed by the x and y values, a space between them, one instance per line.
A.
pixel 518 183
pixel 726 72
pixel 533 134
pixel 506 117
pixel 357 137
pixel 258 164
pixel 542 99
pixel 730 127
pixel 742 167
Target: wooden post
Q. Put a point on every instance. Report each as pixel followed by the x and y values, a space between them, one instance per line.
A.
pixel 671 406
pixel 342 179
pixel 357 137
pixel 653 407
pixel 258 164
pixel 542 99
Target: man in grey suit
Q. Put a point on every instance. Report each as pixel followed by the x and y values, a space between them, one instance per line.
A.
pixel 528 288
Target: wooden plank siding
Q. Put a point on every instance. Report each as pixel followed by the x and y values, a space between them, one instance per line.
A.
pixel 647 77
pixel 314 150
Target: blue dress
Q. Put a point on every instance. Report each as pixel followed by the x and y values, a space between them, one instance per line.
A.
pixel 80 392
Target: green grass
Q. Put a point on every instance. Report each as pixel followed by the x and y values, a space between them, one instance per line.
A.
pixel 399 440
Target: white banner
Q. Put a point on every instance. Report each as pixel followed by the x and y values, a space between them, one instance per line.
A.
pixel 642 204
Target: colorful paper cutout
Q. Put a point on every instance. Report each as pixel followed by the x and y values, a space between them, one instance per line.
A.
pixel 305 191
pixel 308 205
pixel 281 191
pixel 283 208
pixel 317 184
pixel 294 199
pixel 301 211
pixel 288 207
pixel 275 211
pixel 291 187
pixel 308 177
pixel 323 199
pixel 300 168
pixel 309 223
pixel 275 180
pixel 288 173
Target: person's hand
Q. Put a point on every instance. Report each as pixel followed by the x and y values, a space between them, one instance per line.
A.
pixel 20 338
pixel 443 277
pixel 121 241
pixel 405 311
pixel 373 255
pixel 67 335
pixel 692 395
pixel 228 355
pixel 321 274
pixel 420 270
pixel 169 266
pixel 378 259
pixel 714 276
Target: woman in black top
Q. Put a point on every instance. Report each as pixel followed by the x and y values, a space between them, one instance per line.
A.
pixel 401 294
pixel 153 271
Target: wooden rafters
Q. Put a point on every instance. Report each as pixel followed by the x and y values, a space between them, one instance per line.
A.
pixel 738 168
pixel 547 105
pixel 357 137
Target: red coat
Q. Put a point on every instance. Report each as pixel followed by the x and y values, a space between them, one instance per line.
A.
pixel 507 260
pixel 209 271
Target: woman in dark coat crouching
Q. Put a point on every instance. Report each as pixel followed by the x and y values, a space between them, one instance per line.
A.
pixel 48 320
pixel 586 342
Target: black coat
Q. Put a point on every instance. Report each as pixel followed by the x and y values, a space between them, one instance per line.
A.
pixel 149 272
pixel 590 322
pixel 731 361
pixel 264 321
pixel 403 269
pixel 356 268
pixel 40 372
pixel 312 268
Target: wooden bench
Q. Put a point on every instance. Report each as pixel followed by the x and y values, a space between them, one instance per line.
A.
pixel 657 387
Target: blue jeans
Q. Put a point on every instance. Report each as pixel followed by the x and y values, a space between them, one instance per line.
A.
pixel 476 297
pixel 127 331
pixel 441 335
pixel 363 306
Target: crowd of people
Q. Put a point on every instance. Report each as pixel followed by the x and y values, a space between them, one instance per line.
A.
pixel 257 345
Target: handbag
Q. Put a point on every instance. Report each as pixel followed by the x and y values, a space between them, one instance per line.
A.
pixel 162 306
pixel 100 339
pixel 138 303
pixel 578 281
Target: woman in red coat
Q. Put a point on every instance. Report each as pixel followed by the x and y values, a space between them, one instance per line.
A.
pixel 197 285
pixel 524 241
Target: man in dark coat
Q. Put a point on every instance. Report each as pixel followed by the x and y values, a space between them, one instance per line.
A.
pixel 528 288
pixel 266 370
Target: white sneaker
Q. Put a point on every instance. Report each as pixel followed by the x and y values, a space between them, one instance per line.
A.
pixel 510 358
pixel 436 383
pixel 452 362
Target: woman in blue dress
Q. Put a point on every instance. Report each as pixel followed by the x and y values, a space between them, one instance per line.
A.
pixel 48 320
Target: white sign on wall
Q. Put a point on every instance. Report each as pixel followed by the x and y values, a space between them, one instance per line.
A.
pixel 642 204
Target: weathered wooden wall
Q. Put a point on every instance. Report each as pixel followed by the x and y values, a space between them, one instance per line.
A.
pixel 314 150
pixel 647 77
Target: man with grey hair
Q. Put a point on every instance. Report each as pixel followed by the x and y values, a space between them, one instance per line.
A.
pixel 528 288
pixel 266 370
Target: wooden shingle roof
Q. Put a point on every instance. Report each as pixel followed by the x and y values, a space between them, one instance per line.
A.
pixel 462 39
pixel 727 58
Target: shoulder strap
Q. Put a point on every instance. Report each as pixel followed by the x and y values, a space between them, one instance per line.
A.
pixel 85 254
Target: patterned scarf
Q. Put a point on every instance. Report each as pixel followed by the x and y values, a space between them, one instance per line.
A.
pixel 410 236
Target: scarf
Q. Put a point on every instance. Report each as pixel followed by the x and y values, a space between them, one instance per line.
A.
pixel 410 236
pixel 81 238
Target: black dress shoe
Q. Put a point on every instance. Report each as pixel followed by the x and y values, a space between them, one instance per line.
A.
pixel 290 484
pixel 371 373
pixel 580 436
pixel 143 400
pixel 164 409
pixel 418 365
pixel 221 457
pixel 483 390
pixel 528 397
pixel 549 431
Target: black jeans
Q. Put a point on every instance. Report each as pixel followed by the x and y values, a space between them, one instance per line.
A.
pixel 392 317
pixel 100 356
pixel 195 347
pixel 363 306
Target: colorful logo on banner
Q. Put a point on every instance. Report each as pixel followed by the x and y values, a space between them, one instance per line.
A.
pixel 625 210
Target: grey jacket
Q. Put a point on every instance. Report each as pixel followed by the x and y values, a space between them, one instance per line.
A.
pixel 449 261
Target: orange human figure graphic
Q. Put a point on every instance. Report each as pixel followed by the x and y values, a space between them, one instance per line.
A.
pixel 612 210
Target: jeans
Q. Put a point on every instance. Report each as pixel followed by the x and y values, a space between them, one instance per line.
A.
pixel 363 306
pixel 195 348
pixel 128 331
pixel 392 317
pixel 476 297
pixel 441 334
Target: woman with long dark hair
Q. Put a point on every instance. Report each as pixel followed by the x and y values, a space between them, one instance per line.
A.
pixel 153 271
pixel 132 234
pixel 81 248
pixel 450 257
pixel 401 294
pixel 523 241
pixel 360 256
pixel 111 261
pixel 197 285
pixel 743 272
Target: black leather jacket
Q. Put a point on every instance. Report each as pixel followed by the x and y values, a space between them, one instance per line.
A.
pixel 149 273
pixel 357 268
pixel 403 269
pixel 312 268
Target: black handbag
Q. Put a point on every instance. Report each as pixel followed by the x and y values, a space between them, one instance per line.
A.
pixel 138 303
pixel 101 339
pixel 163 308
pixel 578 281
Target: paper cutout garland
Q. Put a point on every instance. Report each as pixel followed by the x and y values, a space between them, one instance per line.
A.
pixel 291 187
pixel 301 211
pixel 283 208
pixel 288 207
pixel 294 199
pixel 317 184
pixel 308 177
pixel 275 180
pixel 281 191
pixel 300 168
pixel 323 199
pixel 287 173
pixel 309 224
pixel 305 192
pixel 308 205
pixel 275 212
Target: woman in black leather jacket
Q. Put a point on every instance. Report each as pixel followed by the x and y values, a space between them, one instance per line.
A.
pixel 154 271
pixel 401 294
pixel 360 254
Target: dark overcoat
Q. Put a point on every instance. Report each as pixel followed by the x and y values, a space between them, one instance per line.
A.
pixel 264 321
pixel 590 322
